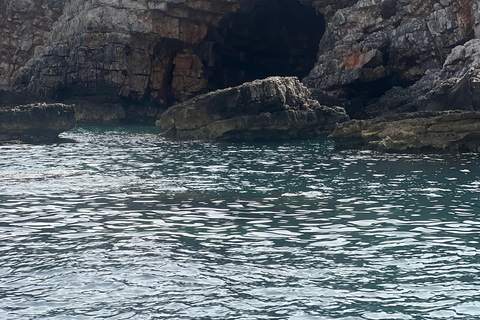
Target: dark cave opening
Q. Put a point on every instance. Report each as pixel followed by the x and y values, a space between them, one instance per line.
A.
pixel 273 38
pixel 361 94
pixel 372 89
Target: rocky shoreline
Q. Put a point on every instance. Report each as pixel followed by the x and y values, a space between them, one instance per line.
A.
pixel 374 59
pixel 441 131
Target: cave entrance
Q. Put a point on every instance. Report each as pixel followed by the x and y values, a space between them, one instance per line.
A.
pixel 272 38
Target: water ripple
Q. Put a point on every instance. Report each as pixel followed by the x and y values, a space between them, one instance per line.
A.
pixel 123 224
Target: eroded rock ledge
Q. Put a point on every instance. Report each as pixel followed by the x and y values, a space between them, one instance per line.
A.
pixel 35 123
pixel 275 108
pixel 444 131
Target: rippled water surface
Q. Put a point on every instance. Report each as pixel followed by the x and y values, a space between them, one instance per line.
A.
pixel 123 224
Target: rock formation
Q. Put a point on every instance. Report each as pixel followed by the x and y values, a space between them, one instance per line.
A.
pixel 390 49
pixel 130 60
pixel 275 108
pixel 24 26
pixel 454 86
pixel 35 123
pixel 152 53
pixel 447 131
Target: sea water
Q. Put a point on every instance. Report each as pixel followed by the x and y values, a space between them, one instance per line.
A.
pixel 120 223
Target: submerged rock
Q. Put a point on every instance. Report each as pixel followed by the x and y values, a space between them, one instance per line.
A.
pixel 275 108
pixel 38 122
pixel 447 131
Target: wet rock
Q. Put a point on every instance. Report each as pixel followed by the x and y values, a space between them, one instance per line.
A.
pixel 275 108
pixel 90 113
pixel 447 131
pixel 35 123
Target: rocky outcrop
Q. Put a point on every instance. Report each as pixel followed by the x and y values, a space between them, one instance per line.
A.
pixel 35 123
pixel 448 131
pixel 454 86
pixel 271 109
pixel 377 49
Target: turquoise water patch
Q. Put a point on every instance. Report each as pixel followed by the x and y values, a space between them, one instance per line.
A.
pixel 123 224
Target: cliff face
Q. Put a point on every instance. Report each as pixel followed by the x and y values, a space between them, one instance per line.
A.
pixel 139 56
pixel 152 52
pixel 24 25
pixel 107 50
pixel 394 50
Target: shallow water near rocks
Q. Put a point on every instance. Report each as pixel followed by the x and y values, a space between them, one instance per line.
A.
pixel 123 224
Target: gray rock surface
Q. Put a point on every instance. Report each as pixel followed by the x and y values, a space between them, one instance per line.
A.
pixel 24 26
pixel 271 109
pixel 376 56
pixel 130 52
pixel 35 123
pixel 447 131
pixel 455 86
pixel 392 50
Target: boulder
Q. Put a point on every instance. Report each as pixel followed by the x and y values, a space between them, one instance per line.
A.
pixel 439 131
pixel 35 123
pixel 275 108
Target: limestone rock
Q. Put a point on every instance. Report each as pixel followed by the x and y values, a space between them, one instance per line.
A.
pixel 374 56
pixel 374 49
pixel 448 131
pixel 455 86
pixel 275 108
pixel 105 113
pixel 24 25
pixel 154 52
pixel 37 123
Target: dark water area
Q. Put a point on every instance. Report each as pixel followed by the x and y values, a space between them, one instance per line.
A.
pixel 123 224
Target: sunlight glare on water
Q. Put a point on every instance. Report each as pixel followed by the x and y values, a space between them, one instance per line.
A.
pixel 123 224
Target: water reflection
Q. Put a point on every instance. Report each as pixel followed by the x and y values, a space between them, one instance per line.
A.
pixel 122 225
